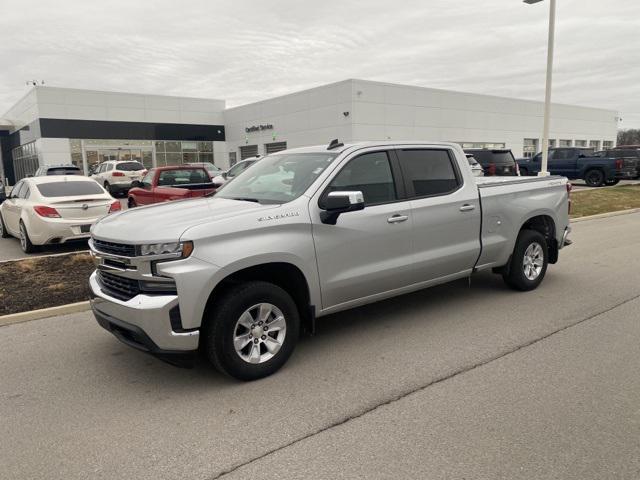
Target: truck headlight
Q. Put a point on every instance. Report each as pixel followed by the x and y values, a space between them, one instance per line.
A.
pixel 181 249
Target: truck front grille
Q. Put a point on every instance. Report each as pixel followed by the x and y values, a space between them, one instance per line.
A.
pixel 118 287
pixel 121 249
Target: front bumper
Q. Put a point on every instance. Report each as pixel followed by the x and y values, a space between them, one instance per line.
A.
pixel 143 322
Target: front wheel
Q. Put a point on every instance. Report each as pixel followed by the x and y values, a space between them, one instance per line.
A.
pixel 594 178
pixel 25 241
pixel 528 262
pixel 251 330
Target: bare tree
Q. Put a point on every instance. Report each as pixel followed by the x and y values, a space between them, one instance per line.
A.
pixel 630 136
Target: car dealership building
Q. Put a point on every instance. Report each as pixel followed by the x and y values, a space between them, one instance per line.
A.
pixel 52 125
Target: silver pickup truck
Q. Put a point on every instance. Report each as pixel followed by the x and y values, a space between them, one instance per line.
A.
pixel 308 232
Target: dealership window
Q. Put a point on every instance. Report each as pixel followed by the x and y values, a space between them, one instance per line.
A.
pixel 175 152
pixel 274 147
pixel 607 144
pixel 595 144
pixel 232 159
pixel 580 143
pixel 565 143
pixel 25 160
pixel 248 151
pixel 552 142
pixel 530 147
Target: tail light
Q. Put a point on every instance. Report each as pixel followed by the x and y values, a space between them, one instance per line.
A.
pixel 46 212
pixel 117 174
pixel 619 164
pixel 115 207
pixel 491 169
pixel 569 188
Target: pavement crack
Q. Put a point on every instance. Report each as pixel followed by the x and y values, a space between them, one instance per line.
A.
pixel 406 394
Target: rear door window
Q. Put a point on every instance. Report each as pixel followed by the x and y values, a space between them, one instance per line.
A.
pixel 428 172
pixel 69 189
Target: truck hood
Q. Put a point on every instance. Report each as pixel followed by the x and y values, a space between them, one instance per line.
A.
pixel 166 222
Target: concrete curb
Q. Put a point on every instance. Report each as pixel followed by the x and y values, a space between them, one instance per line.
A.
pixel 43 313
pixel 605 215
pixel 33 257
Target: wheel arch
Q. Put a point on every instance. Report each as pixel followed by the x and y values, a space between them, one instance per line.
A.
pixel 284 274
pixel 546 225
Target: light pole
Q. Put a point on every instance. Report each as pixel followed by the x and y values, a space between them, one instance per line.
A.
pixel 547 94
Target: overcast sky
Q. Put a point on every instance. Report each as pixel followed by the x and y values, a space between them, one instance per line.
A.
pixel 243 51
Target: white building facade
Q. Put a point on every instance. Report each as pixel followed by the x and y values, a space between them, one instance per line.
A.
pixel 57 125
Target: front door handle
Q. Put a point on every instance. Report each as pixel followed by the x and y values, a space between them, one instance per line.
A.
pixel 467 207
pixel 397 218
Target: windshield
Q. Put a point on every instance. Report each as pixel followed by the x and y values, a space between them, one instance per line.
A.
pixel 277 178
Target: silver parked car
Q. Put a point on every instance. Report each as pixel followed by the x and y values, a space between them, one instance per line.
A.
pixel 312 231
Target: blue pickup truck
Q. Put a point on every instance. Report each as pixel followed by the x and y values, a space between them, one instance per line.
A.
pixel 581 163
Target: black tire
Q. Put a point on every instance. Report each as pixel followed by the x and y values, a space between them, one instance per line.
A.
pixel 3 230
pixel 594 178
pixel 25 241
pixel 515 275
pixel 220 327
pixel 131 203
pixel 107 187
pixel 524 172
pixel 611 183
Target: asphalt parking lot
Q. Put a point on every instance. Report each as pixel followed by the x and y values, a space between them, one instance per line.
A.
pixel 453 382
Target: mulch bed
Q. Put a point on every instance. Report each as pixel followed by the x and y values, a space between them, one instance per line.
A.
pixel 34 283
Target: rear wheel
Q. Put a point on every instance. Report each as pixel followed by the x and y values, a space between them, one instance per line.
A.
pixel 131 203
pixel 529 261
pixel 25 241
pixel 3 230
pixel 594 178
pixel 251 330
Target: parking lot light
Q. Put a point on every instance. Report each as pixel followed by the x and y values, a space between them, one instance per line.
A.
pixel 547 96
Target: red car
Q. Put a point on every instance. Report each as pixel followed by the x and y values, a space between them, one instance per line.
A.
pixel 165 184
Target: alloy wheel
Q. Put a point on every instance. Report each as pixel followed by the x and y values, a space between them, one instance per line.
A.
pixel 533 261
pixel 23 237
pixel 259 333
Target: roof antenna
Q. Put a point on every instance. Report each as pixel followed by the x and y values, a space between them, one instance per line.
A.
pixel 335 143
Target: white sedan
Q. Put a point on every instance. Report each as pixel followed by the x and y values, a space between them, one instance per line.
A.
pixel 53 210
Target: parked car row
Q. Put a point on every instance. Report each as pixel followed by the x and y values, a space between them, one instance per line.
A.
pixel 596 169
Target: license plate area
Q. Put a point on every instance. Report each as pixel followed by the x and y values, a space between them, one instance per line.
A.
pixel 85 228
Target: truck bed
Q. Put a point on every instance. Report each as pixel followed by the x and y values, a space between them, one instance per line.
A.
pixel 506 200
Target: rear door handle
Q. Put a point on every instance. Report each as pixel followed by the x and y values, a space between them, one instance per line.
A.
pixel 397 218
pixel 467 207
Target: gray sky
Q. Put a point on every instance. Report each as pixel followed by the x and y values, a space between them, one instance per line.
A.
pixel 244 51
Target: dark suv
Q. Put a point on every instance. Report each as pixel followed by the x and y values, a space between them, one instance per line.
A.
pixel 495 161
